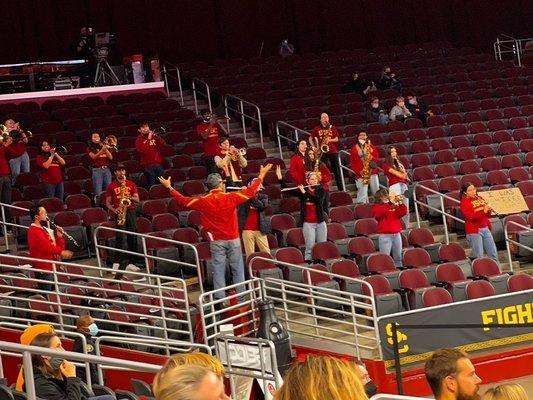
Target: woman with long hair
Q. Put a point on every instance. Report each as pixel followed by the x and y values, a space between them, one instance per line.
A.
pixel 398 178
pixel 320 378
pixel 297 164
pixel 477 224
pixel 506 391
pixel 321 169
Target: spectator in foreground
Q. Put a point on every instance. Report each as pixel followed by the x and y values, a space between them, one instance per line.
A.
pixel 452 376
pixel 376 112
pixel 506 391
pixel 320 378
pixel 88 328
pixel 370 387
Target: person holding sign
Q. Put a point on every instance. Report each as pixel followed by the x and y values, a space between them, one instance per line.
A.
pixel 477 224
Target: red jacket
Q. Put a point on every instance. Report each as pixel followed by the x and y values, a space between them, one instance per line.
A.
pixel 319 132
pixel 325 176
pixel 356 162
pixel 149 149
pixel 475 217
pixel 42 246
pixel 219 210
pixel 389 217
pixel 4 164
pixel 210 143
pixel 297 169
pixel 17 149
pixel 393 179
pixel 51 175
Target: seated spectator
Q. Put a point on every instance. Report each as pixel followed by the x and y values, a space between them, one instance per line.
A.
pixel 399 112
pixel 87 327
pixel 418 110
pixel 506 391
pixel 321 377
pixel 389 80
pixel 358 85
pixel 370 387
pixel 286 49
pixel 376 112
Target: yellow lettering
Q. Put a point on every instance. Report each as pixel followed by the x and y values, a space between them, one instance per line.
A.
pixel 509 314
pixel 487 318
pixel 400 337
pixel 518 314
pixel 525 315
pixel 499 315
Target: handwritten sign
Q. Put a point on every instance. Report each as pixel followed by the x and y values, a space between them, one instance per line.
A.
pixel 505 201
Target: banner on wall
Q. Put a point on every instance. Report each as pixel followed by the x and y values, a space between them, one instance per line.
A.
pixel 416 345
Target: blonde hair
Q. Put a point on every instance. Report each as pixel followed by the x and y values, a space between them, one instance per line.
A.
pixel 319 378
pixel 163 377
pixel 181 383
pixel 507 391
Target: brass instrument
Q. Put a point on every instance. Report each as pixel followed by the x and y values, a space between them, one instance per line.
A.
pixel 124 203
pixel 397 200
pixel 367 159
pixel 4 129
pixel 111 141
pixel 325 138
pixel 318 152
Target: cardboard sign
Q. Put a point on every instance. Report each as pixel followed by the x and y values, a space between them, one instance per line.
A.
pixel 505 201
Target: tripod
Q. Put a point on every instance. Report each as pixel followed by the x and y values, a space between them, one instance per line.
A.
pixel 104 76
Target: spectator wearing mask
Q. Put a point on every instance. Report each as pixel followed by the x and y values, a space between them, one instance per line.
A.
pixel 417 109
pixel 376 112
pixel 389 80
pixel 370 387
pixel 399 112
pixel 88 328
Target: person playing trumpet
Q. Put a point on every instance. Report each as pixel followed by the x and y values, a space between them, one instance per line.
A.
pixel 388 210
pixel 477 224
pixel 51 163
pixel 230 161
pixel 363 159
pixel 19 160
pixel 398 178
pixel 100 154
pixel 148 145
pixel 210 131
pixel 328 141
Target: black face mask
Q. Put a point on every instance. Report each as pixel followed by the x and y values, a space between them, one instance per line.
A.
pixel 371 389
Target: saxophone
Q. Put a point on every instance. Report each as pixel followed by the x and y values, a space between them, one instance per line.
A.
pixel 325 137
pixel 367 159
pixel 124 203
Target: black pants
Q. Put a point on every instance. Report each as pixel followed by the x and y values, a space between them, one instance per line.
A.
pixel 152 173
pixel 123 259
pixel 334 166
pixel 210 165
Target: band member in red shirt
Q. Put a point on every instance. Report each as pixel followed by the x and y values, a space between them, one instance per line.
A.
pixel 19 159
pixel 297 167
pixel 398 178
pixel 388 211
pixel 363 159
pixel 219 219
pixel 253 222
pixel 314 213
pixel 45 244
pixel 100 155
pixel 322 170
pixel 477 224
pixel 327 135
pixel 231 162
pixel 51 175
pixel 210 131
pixel 148 145
pixel 5 176
pixel 117 195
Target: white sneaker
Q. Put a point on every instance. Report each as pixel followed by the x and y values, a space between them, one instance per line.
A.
pixel 115 266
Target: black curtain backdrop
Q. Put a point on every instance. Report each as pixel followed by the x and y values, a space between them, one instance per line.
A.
pixel 188 30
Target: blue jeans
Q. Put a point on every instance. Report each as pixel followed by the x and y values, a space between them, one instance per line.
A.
pixel 54 190
pixel 362 190
pixel 18 165
pixel 483 242
pixel 313 233
pixel 101 180
pixel 401 188
pixel 222 252
pixel 152 172
pixel 391 242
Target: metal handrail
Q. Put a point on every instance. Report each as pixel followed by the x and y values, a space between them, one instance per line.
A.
pixel 27 364
pixel 5 223
pixel 296 130
pixel 509 45
pixel 166 72
pixel 206 95
pixel 145 254
pixel 243 114
pixel 508 240
pixel 444 214
pixel 351 170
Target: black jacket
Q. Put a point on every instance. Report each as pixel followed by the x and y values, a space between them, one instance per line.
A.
pixel 260 203
pixel 321 200
pixel 78 348
pixel 57 389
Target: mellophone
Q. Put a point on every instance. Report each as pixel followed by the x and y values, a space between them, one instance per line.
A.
pixel 54 226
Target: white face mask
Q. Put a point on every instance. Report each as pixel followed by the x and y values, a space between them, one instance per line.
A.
pixel 412 101
pixel 362 142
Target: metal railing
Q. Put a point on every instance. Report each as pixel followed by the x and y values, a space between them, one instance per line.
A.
pixel 245 110
pixel 354 314
pixel 440 210
pixel 5 224
pixel 159 309
pixel 147 257
pixel 506 44
pixel 169 70
pixel 196 91
pixel 509 241
pixel 27 351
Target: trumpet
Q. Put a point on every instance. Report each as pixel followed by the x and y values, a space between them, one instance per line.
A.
pixel 111 142
pixel 60 150
pixel 397 199
pixel 242 151
pixel 56 227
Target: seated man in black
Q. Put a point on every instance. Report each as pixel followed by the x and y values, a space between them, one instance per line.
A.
pixel 389 80
pixel 417 109
pixel 357 85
